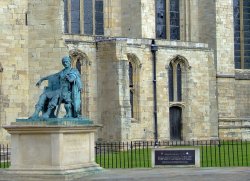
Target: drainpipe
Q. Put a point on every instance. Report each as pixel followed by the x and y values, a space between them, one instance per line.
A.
pixel 154 48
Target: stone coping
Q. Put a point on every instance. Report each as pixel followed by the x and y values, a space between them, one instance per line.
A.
pixel 55 121
pixel 235 119
pixel 17 128
pixel 235 127
pixel 71 39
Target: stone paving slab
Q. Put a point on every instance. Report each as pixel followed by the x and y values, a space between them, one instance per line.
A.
pixel 173 174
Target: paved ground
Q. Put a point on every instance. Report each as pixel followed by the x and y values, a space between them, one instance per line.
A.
pixel 173 174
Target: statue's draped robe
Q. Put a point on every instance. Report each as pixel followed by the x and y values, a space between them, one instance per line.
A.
pixel 76 87
pixel 54 89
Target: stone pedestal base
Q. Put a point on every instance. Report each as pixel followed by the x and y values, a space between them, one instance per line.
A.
pixel 51 152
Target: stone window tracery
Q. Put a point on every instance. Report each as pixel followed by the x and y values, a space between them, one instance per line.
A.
pixel 177 73
pixel 83 17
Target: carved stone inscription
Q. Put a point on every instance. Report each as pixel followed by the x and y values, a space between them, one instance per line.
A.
pixel 174 157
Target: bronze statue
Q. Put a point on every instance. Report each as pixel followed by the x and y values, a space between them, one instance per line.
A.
pixel 63 87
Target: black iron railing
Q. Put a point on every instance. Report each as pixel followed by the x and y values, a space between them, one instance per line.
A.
pixel 4 156
pixel 213 153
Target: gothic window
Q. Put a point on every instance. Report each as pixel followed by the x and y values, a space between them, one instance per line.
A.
pixel 81 62
pixel 176 77
pixel 83 17
pixel 131 89
pixel 242 34
pixel 133 80
pixel 168 19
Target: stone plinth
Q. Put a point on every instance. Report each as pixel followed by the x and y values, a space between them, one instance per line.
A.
pixel 55 152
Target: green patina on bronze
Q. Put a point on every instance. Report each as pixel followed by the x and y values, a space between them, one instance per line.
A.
pixel 65 88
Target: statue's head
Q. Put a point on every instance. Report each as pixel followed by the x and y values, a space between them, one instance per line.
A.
pixel 66 61
pixel 66 58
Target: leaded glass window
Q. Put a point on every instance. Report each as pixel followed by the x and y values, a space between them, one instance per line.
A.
pixel 75 16
pixel 66 17
pixel 179 83
pixel 174 20
pixel 241 34
pixel 130 74
pixel 131 102
pixel 168 19
pixel 88 17
pixel 161 19
pixel 99 29
pixel 84 17
pixel 131 88
pixel 171 83
pixel 176 78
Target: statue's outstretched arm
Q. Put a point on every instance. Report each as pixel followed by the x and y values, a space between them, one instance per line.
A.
pixel 49 77
pixel 42 79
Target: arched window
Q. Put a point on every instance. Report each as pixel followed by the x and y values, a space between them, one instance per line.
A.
pixel 133 76
pixel 83 17
pixel 177 70
pixel 81 62
pixel 131 88
pixel 242 34
pixel 175 82
pixel 168 19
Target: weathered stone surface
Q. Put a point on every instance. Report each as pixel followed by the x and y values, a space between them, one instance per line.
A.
pixel 32 44
pixel 51 152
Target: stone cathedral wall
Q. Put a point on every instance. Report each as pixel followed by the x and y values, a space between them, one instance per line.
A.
pixel 32 43
pixel 14 80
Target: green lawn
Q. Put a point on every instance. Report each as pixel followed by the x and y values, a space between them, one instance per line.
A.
pixel 227 155
pixel 125 159
pixel 2 165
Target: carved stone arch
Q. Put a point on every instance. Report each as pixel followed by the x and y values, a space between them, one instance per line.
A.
pixel 135 88
pixel 179 59
pixel 81 62
pixel 177 104
pixel 78 55
pixel 134 59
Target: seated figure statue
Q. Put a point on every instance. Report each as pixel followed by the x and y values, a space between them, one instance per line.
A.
pixel 63 87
